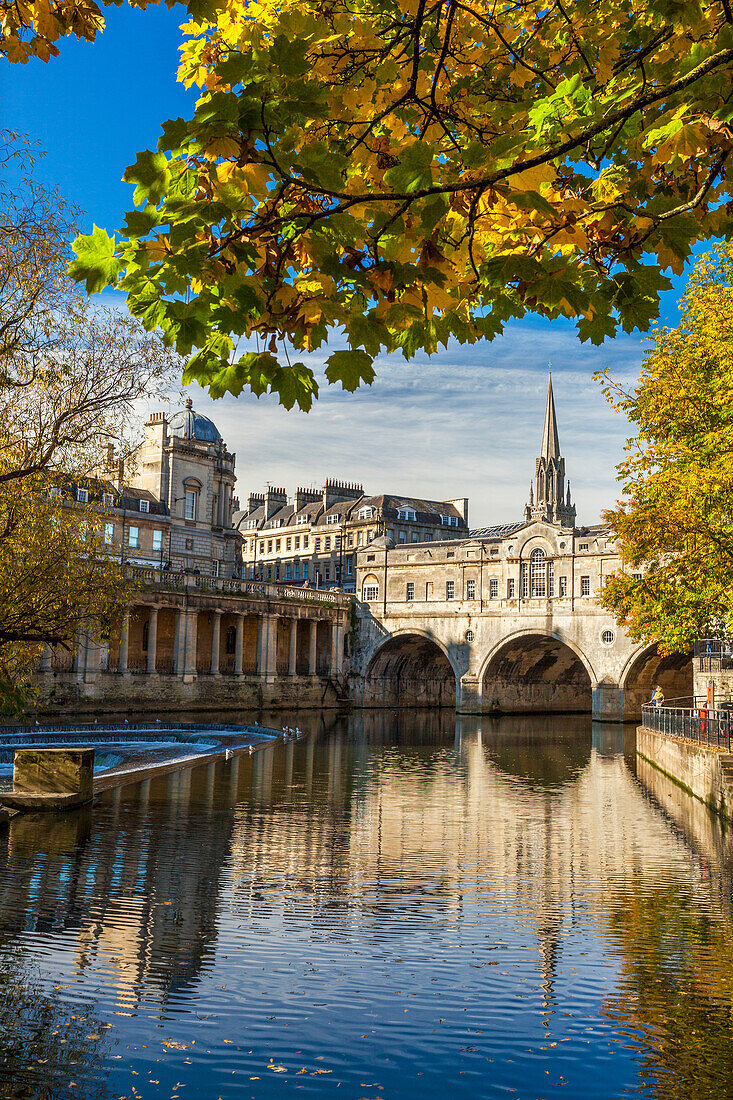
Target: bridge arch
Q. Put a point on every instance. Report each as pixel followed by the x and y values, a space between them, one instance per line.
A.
pixel 410 668
pixel 536 671
pixel 645 669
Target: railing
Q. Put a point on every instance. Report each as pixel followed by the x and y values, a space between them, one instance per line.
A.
pixel 699 722
pixel 713 654
pixel 261 590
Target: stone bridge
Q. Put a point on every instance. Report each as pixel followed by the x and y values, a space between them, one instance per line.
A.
pixel 509 625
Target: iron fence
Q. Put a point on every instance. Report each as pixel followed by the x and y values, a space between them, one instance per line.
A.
pixel 713 654
pixel 699 722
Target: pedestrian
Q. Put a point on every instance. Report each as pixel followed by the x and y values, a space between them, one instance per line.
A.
pixel 657 697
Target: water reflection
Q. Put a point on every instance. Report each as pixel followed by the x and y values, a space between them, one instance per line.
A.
pixel 395 904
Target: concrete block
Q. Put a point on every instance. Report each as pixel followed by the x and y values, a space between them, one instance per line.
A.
pixel 51 779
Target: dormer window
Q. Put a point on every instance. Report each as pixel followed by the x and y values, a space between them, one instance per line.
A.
pixel 333 518
pixel 408 514
pixel 108 500
pixel 82 496
pixel 449 521
pixel 144 505
pixel 302 519
pixel 367 512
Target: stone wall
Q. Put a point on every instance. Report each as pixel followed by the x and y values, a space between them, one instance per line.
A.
pixel 697 768
pixel 65 695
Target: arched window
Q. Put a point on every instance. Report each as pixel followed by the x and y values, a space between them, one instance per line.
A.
pixel 370 589
pixel 538 573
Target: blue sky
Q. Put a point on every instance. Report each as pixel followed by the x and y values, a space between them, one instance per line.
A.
pixel 465 423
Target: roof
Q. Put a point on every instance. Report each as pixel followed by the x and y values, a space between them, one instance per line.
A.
pixel 425 509
pixel 498 531
pixel 188 424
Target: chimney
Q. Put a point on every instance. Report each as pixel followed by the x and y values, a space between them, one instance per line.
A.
pixel 275 499
pixel 306 496
pixel 255 501
pixel 336 491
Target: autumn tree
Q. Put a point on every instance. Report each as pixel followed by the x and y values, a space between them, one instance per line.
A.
pixel 674 524
pixel 403 172
pixel 71 378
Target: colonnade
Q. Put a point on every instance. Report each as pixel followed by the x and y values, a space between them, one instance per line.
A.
pixel 189 657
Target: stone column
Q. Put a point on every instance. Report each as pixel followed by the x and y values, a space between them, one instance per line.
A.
pixel 239 646
pixel 215 641
pixel 312 647
pixel 190 640
pixel 267 656
pixel 152 640
pixel 293 655
pixel 124 642
pixel 178 643
pixel 92 649
pixel 337 647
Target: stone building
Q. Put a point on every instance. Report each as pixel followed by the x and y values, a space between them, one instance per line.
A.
pixel 314 536
pixel 173 501
pixel 506 619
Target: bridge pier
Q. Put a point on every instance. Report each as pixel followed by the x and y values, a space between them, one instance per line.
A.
pixel 608 702
pixel 468 695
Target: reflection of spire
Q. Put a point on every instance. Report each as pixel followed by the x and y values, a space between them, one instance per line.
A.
pixel 549 949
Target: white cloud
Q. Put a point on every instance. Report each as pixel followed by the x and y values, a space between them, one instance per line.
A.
pixel 466 422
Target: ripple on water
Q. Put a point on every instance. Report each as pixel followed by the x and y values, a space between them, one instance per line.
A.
pixel 380 914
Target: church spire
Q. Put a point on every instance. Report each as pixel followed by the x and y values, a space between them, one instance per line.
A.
pixel 550 442
pixel 550 501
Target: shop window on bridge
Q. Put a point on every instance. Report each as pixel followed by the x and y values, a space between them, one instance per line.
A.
pixel 470 590
pixel 510 588
pixel 494 589
pixel 410 592
pixel 563 586
pixel 450 590
pixel 585 586
pixel 230 641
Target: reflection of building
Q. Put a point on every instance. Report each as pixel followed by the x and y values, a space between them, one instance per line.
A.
pixel 315 537
pixel 144 893
pixel 173 503
pixel 508 619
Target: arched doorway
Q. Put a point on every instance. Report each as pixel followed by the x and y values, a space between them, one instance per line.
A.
pixel 536 673
pixel 410 670
pixel 646 670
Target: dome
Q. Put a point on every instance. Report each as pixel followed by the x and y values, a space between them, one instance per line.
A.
pixel 188 424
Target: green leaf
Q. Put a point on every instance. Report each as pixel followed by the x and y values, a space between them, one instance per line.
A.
pixel 96 263
pixel 350 368
pixel 138 223
pixel 151 175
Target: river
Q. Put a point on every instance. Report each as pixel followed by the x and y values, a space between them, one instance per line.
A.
pixel 393 906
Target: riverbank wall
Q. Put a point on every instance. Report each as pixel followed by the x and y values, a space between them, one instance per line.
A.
pixel 66 695
pixel 703 771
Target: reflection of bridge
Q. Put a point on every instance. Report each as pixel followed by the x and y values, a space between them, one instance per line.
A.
pixel 506 621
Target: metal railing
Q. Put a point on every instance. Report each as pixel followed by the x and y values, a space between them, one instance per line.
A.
pixel 713 654
pixel 694 722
